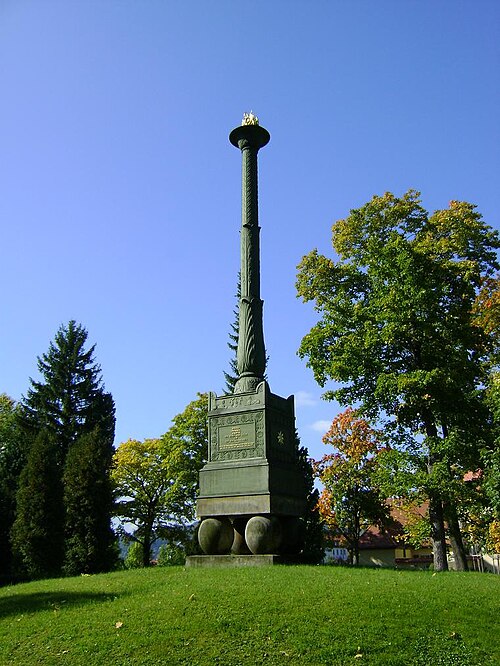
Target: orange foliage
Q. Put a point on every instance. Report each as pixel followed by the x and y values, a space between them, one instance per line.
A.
pixel 351 436
pixel 487 306
pixel 349 497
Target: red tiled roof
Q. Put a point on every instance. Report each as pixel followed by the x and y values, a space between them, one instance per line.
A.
pixel 391 536
pixel 473 476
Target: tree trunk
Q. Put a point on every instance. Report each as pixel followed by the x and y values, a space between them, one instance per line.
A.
pixel 438 534
pixel 436 515
pixel 356 540
pixel 146 550
pixel 146 546
pixel 456 540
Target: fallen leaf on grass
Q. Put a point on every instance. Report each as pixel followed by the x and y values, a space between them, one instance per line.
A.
pixel 118 625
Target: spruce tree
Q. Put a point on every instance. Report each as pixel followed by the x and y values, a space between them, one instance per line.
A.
pixel 69 405
pixel 231 377
pixel 63 402
pixel 37 532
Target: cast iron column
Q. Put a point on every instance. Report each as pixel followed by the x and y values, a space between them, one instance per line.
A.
pixel 251 354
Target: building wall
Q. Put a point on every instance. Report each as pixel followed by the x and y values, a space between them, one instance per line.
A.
pixel 383 557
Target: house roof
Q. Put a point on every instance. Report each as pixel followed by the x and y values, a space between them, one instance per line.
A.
pixel 392 535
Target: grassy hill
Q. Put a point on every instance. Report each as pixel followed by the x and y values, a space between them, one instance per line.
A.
pixel 275 615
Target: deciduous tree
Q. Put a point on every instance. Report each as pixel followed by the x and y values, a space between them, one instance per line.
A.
pixel 398 331
pixel 157 479
pixel 351 501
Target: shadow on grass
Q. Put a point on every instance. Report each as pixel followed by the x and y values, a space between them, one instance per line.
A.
pixel 18 604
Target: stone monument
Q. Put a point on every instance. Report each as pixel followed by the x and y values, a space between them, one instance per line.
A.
pixel 252 494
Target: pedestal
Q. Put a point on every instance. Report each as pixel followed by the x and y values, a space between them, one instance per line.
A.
pixel 252 494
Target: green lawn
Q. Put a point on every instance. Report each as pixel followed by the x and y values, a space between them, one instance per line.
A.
pixel 273 615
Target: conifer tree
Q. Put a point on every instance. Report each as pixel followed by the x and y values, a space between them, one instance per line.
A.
pixel 37 532
pixel 314 549
pixel 12 461
pixel 90 543
pixel 69 405
pixel 231 377
pixel 63 402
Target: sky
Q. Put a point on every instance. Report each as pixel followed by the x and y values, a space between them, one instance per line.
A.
pixel 120 192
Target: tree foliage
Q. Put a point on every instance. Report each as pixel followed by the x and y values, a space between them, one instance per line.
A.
pixel 398 329
pixel 157 479
pixel 314 547
pixel 13 450
pixel 351 501
pixel 487 316
pixel 64 401
pixel 37 532
pixel 231 377
pixel 90 543
pixel 491 462
pixel 69 409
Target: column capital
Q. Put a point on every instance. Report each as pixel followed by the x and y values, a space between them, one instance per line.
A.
pixel 249 136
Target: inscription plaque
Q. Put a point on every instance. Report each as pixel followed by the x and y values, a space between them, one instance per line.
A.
pixel 238 436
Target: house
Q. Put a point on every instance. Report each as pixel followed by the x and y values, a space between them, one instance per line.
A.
pixel 387 547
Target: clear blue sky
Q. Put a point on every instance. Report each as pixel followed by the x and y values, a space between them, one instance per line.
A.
pixel 120 193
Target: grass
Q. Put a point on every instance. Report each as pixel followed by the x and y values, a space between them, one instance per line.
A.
pixel 273 615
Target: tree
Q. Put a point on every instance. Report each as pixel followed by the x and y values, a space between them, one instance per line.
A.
pixel 63 403
pixel 231 377
pixel 37 532
pixel 351 501
pixel 487 310
pixel 313 550
pixel 90 543
pixel 157 479
pixel 491 462
pixel 72 409
pixel 12 460
pixel 398 331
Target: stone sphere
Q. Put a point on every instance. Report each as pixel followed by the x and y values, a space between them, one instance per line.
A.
pixel 215 536
pixel 263 535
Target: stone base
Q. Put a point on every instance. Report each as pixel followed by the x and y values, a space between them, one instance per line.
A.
pixel 234 560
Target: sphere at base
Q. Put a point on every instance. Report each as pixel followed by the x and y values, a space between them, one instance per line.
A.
pixel 215 536
pixel 263 535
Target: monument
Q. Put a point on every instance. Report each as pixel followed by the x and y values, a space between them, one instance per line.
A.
pixel 252 494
